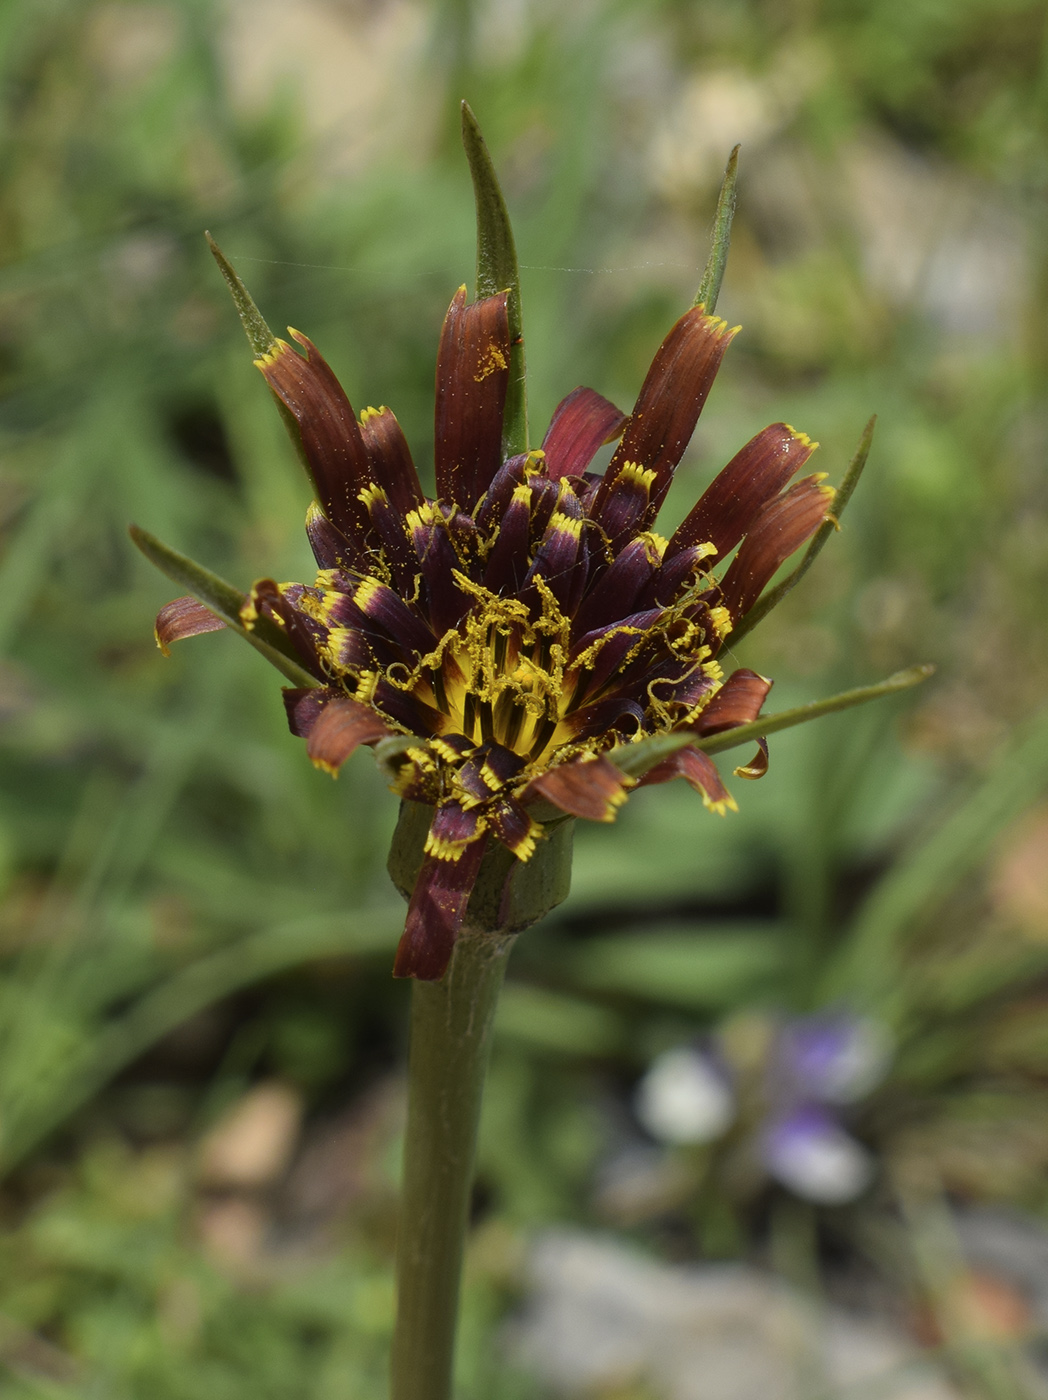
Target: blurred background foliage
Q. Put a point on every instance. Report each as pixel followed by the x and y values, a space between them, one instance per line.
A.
pixel 199 1037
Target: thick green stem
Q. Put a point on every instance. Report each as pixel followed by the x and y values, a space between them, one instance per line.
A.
pixel 450 1040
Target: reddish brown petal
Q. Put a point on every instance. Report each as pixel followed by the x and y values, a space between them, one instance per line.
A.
pixel 435 914
pixel 698 770
pixel 581 423
pixel 391 459
pixel 758 764
pixel 335 451
pixel 670 401
pixel 183 617
pixel 304 707
pixel 513 827
pixel 781 527
pixel 472 378
pixel 738 701
pixel 590 787
pixel 729 505
pixel 342 726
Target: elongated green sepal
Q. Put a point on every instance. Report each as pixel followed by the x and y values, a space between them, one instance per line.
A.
pixel 497 271
pixel 774 596
pixel 709 287
pixel 259 336
pixel 638 759
pixel 225 602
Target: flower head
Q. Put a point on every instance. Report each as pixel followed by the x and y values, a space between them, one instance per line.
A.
pixel 498 641
pixel 528 618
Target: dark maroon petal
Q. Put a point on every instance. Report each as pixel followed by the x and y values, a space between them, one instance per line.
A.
pixel 669 404
pixel 675 575
pixel 698 770
pixel 375 605
pixel 589 787
pixel 581 423
pixel 407 709
pixel 391 461
pixel 513 473
pixel 546 497
pixel 615 645
pixel 729 505
pixel 391 534
pixel 304 707
pixel 512 826
pixel 508 561
pixel 330 547
pixel 183 617
pixel 615 593
pixel 738 701
pixel 438 561
pixel 472 378
pixel 267 599
pixel 618 714
pixel 335 451
pixel 350 652
pixel 437 909
pixel 556 561
pixel 781 527
pixel 342 726
pixel 627 506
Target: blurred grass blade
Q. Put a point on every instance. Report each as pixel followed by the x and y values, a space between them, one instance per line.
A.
pixel 226 601
pixel 183 995
pixel 709 287
pixel 637 759
pixel 259 336
pixel 774 596
pixel 497 271
pixel 867 970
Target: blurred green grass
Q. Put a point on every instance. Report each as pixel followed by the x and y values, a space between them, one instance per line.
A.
pixel 164 846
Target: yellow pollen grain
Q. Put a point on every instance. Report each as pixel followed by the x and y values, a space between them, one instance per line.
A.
pixel 370 413
pixel 490 363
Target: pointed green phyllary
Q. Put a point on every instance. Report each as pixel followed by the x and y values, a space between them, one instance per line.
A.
pixel 259 336
pixel 709 287
pixel 225 602
pixel 497 272
pixel 639 758
pixel 774 596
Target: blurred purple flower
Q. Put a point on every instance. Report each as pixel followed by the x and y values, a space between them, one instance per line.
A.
pixel 811 1154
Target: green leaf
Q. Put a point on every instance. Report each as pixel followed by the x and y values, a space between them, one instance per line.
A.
pixel 497 272
pixel 774 596
pixel 637 759
pixel 225 601
pixel 709 287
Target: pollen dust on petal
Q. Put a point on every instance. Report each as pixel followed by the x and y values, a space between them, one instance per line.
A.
pixel 491 360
